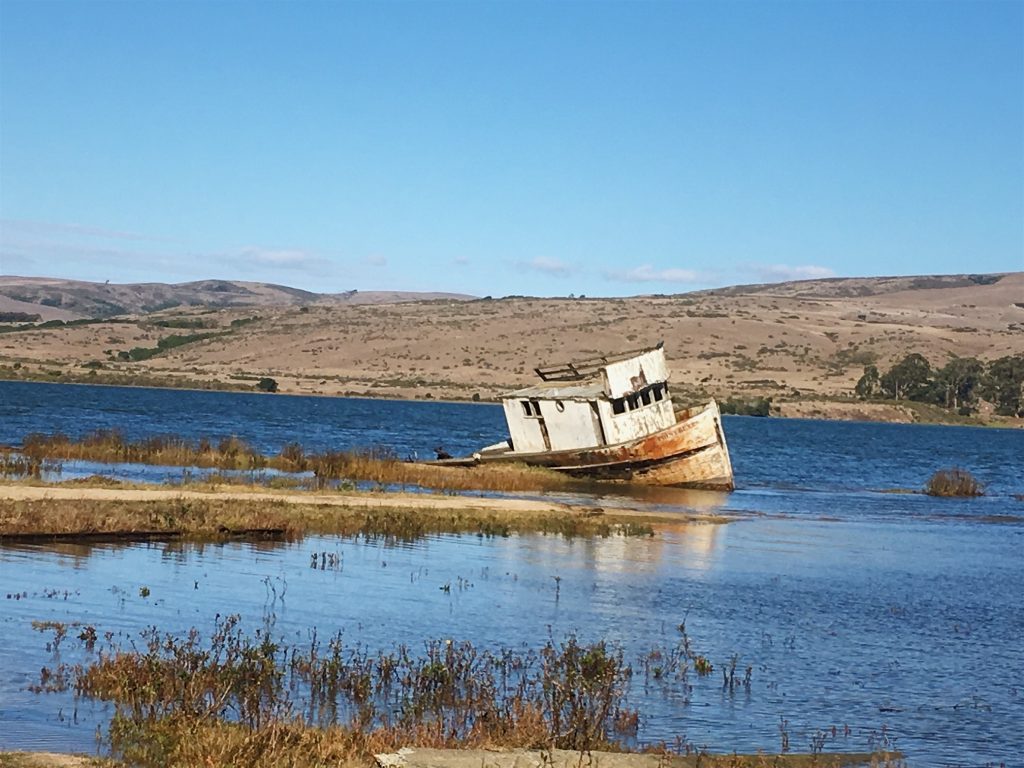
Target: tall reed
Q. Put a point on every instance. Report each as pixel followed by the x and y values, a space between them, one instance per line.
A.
pixel 377 465
pixel 451 694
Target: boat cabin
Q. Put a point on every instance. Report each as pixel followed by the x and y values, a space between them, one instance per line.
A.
pixel 589 403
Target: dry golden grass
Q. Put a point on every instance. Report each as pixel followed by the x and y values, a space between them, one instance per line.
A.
pixel 200 518
pixel 378 466
pixel 293 745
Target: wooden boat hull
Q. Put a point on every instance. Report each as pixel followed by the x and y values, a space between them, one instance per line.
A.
pixel 692 453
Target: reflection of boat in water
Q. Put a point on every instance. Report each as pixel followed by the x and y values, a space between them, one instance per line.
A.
pixel 611 418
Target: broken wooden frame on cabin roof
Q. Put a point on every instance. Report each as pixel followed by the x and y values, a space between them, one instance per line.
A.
pixel 594 402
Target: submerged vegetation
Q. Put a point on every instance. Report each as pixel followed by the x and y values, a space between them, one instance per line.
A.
pixel 954 482
pixel 374 465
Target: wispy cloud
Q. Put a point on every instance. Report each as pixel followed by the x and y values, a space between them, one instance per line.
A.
pixel 33 228
pixel 779 273
pixel 377 261
pixel 646 273
pixel 548 266
pixel 279 258
pixel 88 261
pixel 15 263
pixel 90 253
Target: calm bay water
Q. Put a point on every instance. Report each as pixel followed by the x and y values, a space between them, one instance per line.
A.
pixel 854 607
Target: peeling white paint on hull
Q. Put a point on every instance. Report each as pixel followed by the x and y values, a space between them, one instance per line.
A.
pixel 692 453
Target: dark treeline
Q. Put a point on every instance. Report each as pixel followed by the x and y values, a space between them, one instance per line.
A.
pixel 959 385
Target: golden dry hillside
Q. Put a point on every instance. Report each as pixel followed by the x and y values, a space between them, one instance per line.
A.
pixel 53 298
pixel 796 342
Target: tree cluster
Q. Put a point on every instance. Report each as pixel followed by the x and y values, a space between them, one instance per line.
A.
pixel 958 385
pixel 760 406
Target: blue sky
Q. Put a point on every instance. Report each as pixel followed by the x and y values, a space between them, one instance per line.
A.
pixel 596 148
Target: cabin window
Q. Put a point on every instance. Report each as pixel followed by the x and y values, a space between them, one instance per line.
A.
pixel 649 395
pixel 531 408
pixel 642 398
pixel 559 406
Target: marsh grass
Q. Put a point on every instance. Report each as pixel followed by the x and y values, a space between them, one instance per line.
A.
pixel 111 445
pixel 18 465
pixel 953 482
pixel 246 698
pixel 387 470
pixel 252 697
pixel 218 518
pixel 374 465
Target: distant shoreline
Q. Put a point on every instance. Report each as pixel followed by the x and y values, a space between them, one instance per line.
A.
pixel 817 405
pixel 252 391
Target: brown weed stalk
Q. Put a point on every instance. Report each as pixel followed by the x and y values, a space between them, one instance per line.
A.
pixel 263 695
pixel 380 466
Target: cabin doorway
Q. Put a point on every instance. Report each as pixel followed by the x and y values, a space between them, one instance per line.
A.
pixel 595 415
pixel 544 433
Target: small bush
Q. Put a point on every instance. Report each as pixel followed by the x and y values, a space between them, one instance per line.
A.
pixel 954 482
pixel 266 384
pixel 760 406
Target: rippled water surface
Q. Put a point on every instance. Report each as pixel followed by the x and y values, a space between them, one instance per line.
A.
pixel 854 606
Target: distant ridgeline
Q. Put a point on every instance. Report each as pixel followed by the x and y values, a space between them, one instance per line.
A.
pixel 958 385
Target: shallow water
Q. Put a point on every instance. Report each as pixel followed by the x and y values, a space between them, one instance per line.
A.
pixel 854 607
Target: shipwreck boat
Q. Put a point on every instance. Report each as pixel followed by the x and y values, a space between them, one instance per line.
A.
pixel 611 418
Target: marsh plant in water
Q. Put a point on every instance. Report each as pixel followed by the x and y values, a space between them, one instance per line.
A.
pixel 953 482
pixel 567 694
pixel 240 698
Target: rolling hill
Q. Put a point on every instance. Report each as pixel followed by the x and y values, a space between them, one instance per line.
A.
pixel 53 298
pixel 801 343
